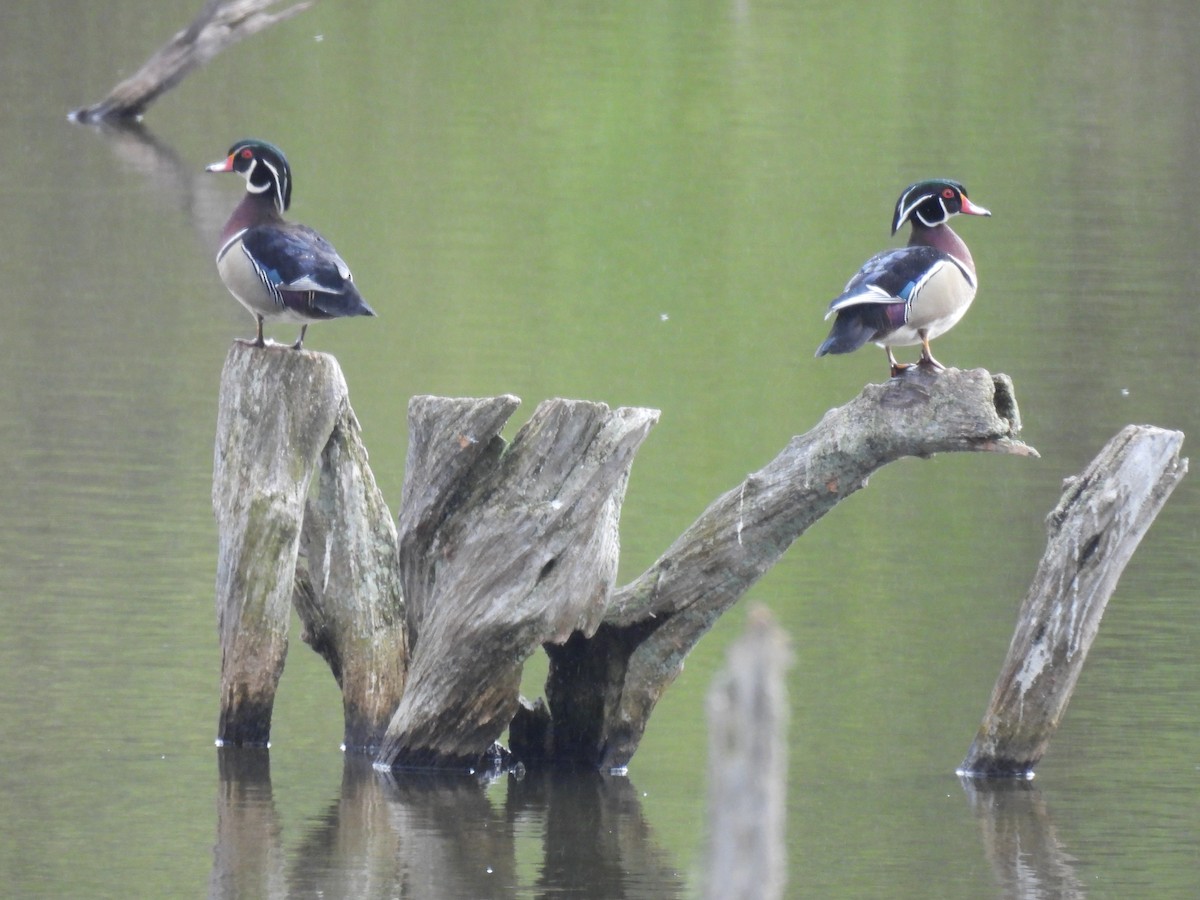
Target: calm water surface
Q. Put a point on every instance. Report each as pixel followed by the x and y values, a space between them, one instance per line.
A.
pixel 645 204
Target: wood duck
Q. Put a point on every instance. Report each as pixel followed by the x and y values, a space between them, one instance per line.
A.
pixel 278 270
pixel 912 294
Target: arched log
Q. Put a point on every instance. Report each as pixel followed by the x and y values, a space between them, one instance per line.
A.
pixel 602 690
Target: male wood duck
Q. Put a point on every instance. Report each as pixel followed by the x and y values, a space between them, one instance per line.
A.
pixel 278 270
pixel 912 294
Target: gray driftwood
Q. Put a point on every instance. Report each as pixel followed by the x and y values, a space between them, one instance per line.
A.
pixel 500 549
pixel 503 549
pixel 348 592
pixel 220 24
pixel 1098 523
pixel 747 766
pixel 602 690
pixel 285 418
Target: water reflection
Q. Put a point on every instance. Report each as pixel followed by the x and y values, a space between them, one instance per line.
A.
pixel 645 204
pixel 438 835
pixel 177 185
pixel 596 840
pixel 248 858
pixel 1020 840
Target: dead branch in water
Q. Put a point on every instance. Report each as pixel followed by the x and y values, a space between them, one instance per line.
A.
pixel 220 24
pixel 1099 522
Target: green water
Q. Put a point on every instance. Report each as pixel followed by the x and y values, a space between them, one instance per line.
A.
pixel 645 204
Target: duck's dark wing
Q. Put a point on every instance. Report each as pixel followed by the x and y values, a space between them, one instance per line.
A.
pixel 890 277
pixel 295 260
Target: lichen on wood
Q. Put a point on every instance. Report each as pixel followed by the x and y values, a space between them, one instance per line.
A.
pixel 301 521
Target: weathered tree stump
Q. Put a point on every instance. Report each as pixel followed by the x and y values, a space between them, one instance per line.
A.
pixel 348 592
pixel 284 418
pixel 747 766
pixel 1098 523
pixel 220 24
pixel 503 549
pixel 601 691
pixel 273 422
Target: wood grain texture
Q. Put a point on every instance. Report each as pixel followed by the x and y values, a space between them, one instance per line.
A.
pixel 267 448
pixel 503 548
pixel 1101 518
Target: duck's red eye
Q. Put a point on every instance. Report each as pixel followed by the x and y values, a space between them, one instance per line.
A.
pixel 247 153
pixel 948 193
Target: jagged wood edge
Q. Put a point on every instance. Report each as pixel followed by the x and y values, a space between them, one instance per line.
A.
pixel 502 550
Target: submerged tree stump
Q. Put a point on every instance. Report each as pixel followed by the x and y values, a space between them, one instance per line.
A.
pixel 348 592
pixel 1101 518
pixel 285 418
pixel 500 549
pixel 265 455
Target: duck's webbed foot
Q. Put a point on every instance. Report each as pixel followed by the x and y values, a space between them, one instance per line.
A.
pixel 258 338
pixel 927 362
pixel 898 368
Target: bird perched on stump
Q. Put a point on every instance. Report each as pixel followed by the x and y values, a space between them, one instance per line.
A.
pixel 280 271
pixel 910 295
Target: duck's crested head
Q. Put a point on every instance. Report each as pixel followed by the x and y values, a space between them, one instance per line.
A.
pixel 928 204
pixel 264 167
